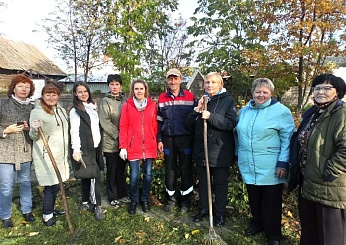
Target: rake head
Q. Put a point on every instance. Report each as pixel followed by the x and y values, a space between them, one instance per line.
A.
pixel 214 239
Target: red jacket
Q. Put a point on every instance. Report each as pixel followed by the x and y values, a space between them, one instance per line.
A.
pixel 138 130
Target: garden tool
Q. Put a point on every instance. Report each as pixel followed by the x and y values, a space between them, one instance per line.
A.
pixel 212 237
pixel 59 178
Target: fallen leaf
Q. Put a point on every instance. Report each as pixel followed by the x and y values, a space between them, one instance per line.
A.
pixel 117 238
pixel 33 233
pixel 194 232
pixel 187 235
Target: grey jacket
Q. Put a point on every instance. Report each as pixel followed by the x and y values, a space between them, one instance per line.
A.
pixel 109 114
pixel 14 148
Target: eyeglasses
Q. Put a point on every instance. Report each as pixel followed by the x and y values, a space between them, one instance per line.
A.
pixel 323 89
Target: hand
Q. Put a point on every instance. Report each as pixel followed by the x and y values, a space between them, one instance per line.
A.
pixel 13 128
pixel 200 106
pixel 123 154
pixel 77 156
pixel 205 114
pixel 160 147
pixel 281 173
pixel 36 123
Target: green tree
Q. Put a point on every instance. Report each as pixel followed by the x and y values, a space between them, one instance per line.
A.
pixel 130 26
pixel 222 30
pixel 76 31
pixel 297 36
pixel 167 49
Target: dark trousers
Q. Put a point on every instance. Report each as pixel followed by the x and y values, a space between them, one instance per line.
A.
pixel 178 156
pixel 115 176
pixel 320 224
pixel 94 195
pixel 266 208
pixel 49 196
pixel 219 185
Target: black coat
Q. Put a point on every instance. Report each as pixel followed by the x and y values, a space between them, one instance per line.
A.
pixel 92 157
pixel 220 137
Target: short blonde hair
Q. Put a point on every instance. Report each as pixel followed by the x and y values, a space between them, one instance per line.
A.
pixel 214 74
pixel 262 82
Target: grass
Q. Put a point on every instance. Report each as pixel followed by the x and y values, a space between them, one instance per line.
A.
pixel 155 227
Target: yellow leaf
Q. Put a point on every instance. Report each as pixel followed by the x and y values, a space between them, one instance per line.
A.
pixel 117 238
pixel 147 219
pixel 187 235
pixel 194 232
pixel 289 214
pixel 33 233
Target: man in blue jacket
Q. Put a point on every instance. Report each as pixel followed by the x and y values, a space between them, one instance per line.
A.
pixel 175 140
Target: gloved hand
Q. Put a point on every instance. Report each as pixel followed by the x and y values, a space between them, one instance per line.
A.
pixel 36 123
pixel 123 154
pixel 77 156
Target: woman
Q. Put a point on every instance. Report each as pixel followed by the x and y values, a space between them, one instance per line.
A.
pixel 15 148
pixel 137 140
pixel 321 154
pixel 85 139
pixel 221 120
pixel 52 118
pixel 109 113
pixel 263 132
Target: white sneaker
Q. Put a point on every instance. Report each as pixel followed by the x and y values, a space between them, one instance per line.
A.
pixel 125 199
pixel 115 203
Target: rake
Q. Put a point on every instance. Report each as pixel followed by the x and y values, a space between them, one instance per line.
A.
pixel 73 233
pixel 212 238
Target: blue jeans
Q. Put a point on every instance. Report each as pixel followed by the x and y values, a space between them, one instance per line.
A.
pixel 134 179
pixel 8 176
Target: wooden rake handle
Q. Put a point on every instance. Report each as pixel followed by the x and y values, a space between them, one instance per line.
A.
pixel 59 178
pixel 205 137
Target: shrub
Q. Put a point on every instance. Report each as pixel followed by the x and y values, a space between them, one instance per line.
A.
pixel 237 193
pixel 158 178
pixel 97 91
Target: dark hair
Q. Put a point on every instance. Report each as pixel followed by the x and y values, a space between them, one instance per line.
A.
pixel 132 91
pixel 337 82
pixel 20 79
pixel 77 102
pixel 114 77
pixel 47 89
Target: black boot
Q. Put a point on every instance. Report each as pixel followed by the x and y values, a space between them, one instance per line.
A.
pixel 132 207
pixel 186 202
pixel 145 206
pixel 171 202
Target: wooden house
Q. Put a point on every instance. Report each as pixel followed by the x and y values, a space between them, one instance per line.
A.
pixel 196 84
pixel 21 58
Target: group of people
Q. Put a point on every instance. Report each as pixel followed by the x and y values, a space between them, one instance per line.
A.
pixel 261 139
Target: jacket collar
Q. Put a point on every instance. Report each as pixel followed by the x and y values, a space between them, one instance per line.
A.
pixel 180 94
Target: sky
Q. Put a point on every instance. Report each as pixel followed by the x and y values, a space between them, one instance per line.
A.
pixel 19 22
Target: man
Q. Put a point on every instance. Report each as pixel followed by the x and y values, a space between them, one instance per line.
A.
pixel 109 114
pixel 175 140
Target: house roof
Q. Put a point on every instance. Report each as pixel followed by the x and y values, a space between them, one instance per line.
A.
pixel 197 74
pixel 23 57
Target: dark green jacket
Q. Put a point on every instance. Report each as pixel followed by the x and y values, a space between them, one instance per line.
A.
pixel 325 174
pixel 109 114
